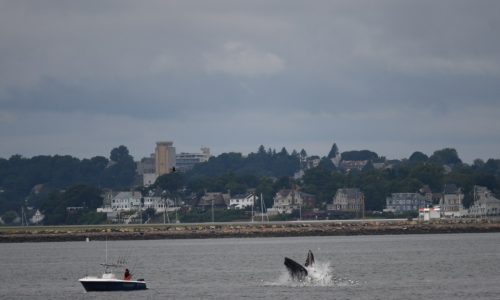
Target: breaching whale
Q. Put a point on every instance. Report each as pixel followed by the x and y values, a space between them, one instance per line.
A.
pixel 297 271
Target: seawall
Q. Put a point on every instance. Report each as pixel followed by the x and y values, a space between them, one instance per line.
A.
pixel 229 230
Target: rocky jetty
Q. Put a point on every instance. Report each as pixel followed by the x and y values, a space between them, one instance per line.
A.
pixel 228 230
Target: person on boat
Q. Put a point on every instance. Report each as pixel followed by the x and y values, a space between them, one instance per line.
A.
pixel 127 275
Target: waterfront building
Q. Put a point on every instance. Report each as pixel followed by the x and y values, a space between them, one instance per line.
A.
pixel 164 158
pixel 37 217
pixel 348 200
pixel 186 161
pixel 451 201
pixel 242 201
pixel 126 201
pixel 286 200
pixel 485 203
pixel 405 202
pixel 159 204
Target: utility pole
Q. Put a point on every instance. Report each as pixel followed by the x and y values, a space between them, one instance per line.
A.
pixel 175 203
pixel 262 208
pixel 253 204
pixel 213 218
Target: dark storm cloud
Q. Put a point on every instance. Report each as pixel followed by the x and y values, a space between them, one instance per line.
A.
pixel 391 76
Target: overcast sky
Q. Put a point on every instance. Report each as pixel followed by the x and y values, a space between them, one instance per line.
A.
pixel 394 77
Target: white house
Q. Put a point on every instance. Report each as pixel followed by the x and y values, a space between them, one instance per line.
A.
pixel 159 204
pixel 126 201
pixel 485 203
pixel 402 202
pixel 37 217
pixel 285 201
pixel 242 201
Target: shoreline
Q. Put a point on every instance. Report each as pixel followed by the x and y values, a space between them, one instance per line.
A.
pixel 243 230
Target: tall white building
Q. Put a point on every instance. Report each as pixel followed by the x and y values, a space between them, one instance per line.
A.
pixel 186 161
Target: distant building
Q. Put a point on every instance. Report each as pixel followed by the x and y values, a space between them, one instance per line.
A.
pixel 126 201
pixel 186 161
pixel 159 204
pixel 429 213
pixel 148 179
pixel 404 202
pixel 350 165
pixel 312 162
pixel 164 158
pixel 451 201
pixel 348 200
pixel 146 165
pixel 485 203
pixel 285 201
pixel 218 200
pixel 37 217
pixel 242 201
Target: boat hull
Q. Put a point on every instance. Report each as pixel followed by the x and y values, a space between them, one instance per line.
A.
pixel 112 285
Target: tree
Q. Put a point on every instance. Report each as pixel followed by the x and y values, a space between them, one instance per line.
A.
pixel 86 198
pixel 446 156
pixel 359 155
pixel 430 174
pixel 171 182
pixel 418 156
pixel 122 173
pixel 9 217
pixel 262 150
pixel 334 151
pixel 119 154
pixel 283 152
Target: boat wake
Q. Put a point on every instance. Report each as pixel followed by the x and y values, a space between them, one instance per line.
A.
pixel 320 274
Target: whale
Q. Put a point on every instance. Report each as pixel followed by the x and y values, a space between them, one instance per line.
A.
pixel 296 270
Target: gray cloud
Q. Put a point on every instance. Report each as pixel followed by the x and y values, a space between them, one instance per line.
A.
pixel 390 76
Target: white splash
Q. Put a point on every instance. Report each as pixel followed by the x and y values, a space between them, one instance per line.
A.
pixel 320 274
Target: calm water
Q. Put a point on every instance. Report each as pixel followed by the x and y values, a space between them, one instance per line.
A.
pixel 454 266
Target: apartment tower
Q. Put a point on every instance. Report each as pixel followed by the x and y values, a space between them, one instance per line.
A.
pixel 164 157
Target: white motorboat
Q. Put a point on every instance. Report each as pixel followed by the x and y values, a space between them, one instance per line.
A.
pixel 110 282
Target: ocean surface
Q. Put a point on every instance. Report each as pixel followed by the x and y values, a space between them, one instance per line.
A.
pixel 438 266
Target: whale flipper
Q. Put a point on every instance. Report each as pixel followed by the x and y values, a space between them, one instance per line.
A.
pixel 309 259
pixel 297 272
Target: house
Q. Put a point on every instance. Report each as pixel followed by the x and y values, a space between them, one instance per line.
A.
pixel 159 204
pixel 451 201
pixel 404 202
pixel 286 200
pixel 126 201
pixel 349 165
pixel 216 199
pixel 348 200
pixel 485 203
pixel 242 201
pixel 37 217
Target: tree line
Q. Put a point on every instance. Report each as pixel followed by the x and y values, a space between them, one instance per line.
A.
pixel 52 183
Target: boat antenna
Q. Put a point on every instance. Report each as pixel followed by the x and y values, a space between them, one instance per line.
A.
pixel 106 261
